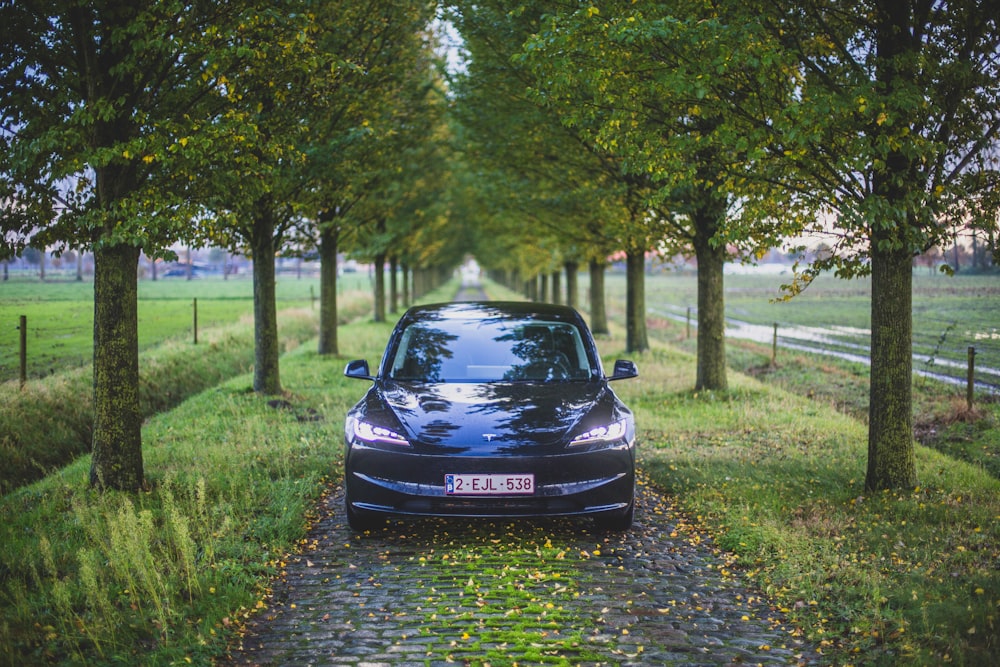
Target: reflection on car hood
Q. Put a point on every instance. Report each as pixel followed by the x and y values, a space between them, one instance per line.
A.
pixel 457 417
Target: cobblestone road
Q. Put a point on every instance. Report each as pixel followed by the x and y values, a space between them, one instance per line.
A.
pixel 498 593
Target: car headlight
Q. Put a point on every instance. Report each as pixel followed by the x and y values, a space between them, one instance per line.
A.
pixel 377 434
pixel 610 433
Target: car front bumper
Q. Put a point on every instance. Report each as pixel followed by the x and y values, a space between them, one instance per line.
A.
pixel 570 484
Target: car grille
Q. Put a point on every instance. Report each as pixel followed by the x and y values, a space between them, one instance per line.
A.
pixel 490 506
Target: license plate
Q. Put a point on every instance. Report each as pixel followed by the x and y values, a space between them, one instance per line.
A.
pixel 488 485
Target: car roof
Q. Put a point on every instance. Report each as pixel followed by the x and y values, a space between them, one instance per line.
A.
pixel 491 310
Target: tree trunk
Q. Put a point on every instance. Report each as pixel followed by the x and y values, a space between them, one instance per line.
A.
pixel 636 339
pixel 380 288
pixel 598 312
pixel 418 282
pixel 711 363
pixel 328 237
pixel 266 378
pixel 556 288
pixel 572 284
pixel 405 271
pixel 393 285
pixel 891 458
pixel 117 442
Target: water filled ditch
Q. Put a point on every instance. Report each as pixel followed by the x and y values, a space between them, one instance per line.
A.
pixel 846 343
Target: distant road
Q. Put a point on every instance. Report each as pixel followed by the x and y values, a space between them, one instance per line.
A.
pixel 471 289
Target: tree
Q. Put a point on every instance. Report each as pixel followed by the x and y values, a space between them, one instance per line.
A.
pixel 546 196
pixel 631 77
pixel 106 122
pixel 275 79
pixel 894 131
pixel 372 53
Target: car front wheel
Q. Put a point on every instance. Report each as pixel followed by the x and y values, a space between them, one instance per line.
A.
pixel 617 522
pixel 361 522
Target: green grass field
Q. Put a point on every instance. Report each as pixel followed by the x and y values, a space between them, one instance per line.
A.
pixel 60 315
pixel 950 313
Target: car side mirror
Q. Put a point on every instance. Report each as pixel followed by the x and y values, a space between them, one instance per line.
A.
pixel 358 369
pixel 624 369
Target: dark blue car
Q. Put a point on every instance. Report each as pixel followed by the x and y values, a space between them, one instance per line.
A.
pixel 490 409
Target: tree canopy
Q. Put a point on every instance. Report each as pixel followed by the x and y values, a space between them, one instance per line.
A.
pixel 128 128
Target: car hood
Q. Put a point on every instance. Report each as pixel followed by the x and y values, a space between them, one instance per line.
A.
pixel 496 417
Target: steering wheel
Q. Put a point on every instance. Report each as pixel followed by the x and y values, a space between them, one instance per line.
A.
pixel 556 367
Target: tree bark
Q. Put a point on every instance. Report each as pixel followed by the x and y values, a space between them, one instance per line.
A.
pixel 117 443
pixel 891 459
pixel 418 282
pixel 405 271
pixel 328 237
pixel 572 284
pixel 556 288
pixel 266 379
pixel 636 338
pixel 379 269
pixel 393 285
pixel 711 363
pixel 598 311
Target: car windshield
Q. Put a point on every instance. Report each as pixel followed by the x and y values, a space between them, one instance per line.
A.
pixel 485 350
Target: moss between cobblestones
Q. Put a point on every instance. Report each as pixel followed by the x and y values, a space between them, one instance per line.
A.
pixel 514 598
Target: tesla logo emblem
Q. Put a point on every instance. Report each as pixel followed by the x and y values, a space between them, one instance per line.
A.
pixel 489 436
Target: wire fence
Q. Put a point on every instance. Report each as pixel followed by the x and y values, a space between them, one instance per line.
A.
pixel 960 355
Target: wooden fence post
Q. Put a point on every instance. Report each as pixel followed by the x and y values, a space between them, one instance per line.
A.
pixel 971 378
pixel 196 321
pixel 774 346
pixel 23 326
